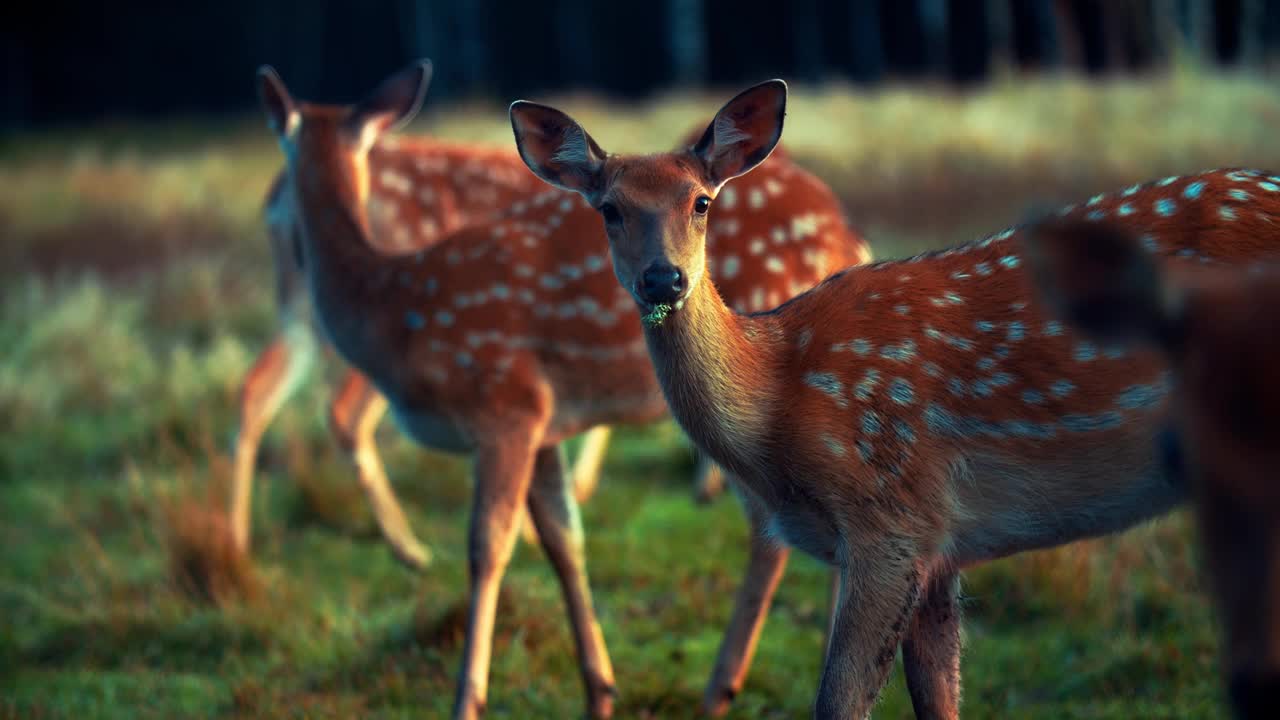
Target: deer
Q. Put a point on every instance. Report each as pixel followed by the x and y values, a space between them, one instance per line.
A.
pixel 903 419
pixel 1217 327
pixel 421 189
pixel 509 336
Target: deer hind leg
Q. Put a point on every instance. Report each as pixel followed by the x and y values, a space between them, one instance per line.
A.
pixel 931 650
pixel 555 514
pixel 586 466
pixel 1243 549
pixel 708 479
pixel 503 470
pixel 585 473
pixel 274 377
pixel 354 414
pixel 880 585
pixel 766 564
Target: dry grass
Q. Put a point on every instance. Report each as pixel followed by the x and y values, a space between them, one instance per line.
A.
pixel 203 558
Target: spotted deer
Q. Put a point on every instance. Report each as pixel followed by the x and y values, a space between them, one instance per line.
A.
pixel 902 420
pixel 1218 328
pixel 509 336
pixel 420 191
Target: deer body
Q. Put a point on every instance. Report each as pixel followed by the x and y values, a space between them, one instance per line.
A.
pixel 1216 325
pixel 904 419
pixel 931 412
pixel 509 336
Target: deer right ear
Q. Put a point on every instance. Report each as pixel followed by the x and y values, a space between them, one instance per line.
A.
pixel 282 112
pixel 391 105
pixel 744 132
pixel 557 149
pixel 1098 278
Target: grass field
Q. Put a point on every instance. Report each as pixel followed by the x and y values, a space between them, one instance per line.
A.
pixel 136 291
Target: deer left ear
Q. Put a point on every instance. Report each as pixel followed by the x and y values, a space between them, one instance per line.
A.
pixel 744 132
pixel 282 112
pixel 557 149
pixel 392 105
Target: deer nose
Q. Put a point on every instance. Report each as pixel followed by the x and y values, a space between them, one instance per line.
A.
pixel 661 284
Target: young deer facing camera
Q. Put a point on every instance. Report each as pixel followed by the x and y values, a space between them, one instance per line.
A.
pixel 904 419
pixel 1219 329
pixel 509 336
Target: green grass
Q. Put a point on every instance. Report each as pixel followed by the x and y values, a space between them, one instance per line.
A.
pixel 135 292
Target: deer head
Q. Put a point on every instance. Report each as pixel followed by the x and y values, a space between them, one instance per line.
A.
pixel 654 207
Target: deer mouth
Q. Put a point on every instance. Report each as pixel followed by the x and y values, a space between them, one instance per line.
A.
pixel 654 314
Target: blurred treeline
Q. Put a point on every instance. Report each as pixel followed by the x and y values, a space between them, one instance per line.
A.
pixel 71 62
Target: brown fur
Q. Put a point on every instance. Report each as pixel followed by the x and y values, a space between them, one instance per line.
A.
pixel 906 419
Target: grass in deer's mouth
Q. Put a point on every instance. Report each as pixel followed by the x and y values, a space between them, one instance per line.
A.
pixel 656 315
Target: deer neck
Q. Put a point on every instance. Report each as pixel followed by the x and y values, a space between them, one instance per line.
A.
pixel 342 265
pixel 717 370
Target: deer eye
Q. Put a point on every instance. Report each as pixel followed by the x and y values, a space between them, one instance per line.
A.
pixel 610 213
pixel 701 205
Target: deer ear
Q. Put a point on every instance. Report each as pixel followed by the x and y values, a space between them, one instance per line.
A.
pixel 282 112
pixel 557 149
pixel 744 132
pixel 392 105
pixel 1097 277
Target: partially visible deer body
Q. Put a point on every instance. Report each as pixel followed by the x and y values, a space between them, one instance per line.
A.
pixel 420 191
pixel 509 336
pixel 1219 328
pixel 901 420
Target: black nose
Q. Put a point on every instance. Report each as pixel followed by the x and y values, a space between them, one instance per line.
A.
pixel 661 284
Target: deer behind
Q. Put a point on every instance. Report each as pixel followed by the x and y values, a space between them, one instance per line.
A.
pixel 1219 329
pixel 510 336
pixel 906 419
pixel 420 191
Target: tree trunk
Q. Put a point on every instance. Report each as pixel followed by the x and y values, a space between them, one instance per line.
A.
pixel 688 42
pixel 866 54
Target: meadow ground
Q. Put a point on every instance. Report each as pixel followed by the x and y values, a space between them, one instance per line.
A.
pixel 136 291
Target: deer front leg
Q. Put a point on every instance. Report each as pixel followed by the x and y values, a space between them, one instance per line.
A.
pixel 931 650
pixel 555 514
pixel 586 466
pixel 503 470
pixel 766 563
pixel 880 585
pixel 354 415
pixel 274 377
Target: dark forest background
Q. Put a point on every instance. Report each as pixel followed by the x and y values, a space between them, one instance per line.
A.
pixel 73 62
